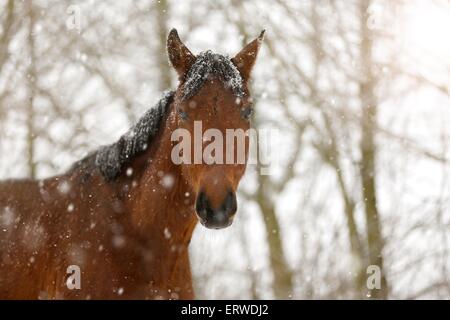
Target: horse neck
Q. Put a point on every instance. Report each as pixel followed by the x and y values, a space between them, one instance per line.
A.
pixel 162 204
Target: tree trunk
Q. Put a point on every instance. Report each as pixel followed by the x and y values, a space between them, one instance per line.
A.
pixel 5 39
pixel 368 152
pixel 162 13
pixel 331 155
pixel 282 275
pixel 32 80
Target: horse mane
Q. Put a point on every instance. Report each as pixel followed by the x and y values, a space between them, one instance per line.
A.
pixel 111 159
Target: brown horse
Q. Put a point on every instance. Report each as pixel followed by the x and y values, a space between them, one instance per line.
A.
pixel 124 216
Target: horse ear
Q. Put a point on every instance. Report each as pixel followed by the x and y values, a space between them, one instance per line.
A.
pixel 245 59
pixel 179 55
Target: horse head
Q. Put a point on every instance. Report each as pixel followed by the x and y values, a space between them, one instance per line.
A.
pixel 213 107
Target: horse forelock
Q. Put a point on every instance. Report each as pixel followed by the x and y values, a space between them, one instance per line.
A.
pixel 209 63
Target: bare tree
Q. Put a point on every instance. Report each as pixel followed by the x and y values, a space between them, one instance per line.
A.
pixel 343 199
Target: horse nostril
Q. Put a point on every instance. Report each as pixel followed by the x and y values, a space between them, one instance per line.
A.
pixel 230 204
pixel 216 218
pixel 202 205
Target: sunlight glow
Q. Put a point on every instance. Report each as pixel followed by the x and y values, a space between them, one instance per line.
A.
pixel 426 29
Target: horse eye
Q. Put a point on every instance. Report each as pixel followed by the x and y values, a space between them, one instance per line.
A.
pixel 183 114
pixel 246 113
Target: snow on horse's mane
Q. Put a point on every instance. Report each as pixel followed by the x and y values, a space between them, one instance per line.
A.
pixel 111 159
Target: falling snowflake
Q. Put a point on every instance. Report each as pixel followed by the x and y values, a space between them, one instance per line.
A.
pixel 118 241
pixel 64 187
pixel 7 217
pixel 167 233
pixel 129 172
pixel 167 181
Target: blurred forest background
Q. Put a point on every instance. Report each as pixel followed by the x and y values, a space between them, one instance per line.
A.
pixel 358 89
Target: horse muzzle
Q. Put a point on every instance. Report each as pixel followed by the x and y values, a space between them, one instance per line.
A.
pixel 216 218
